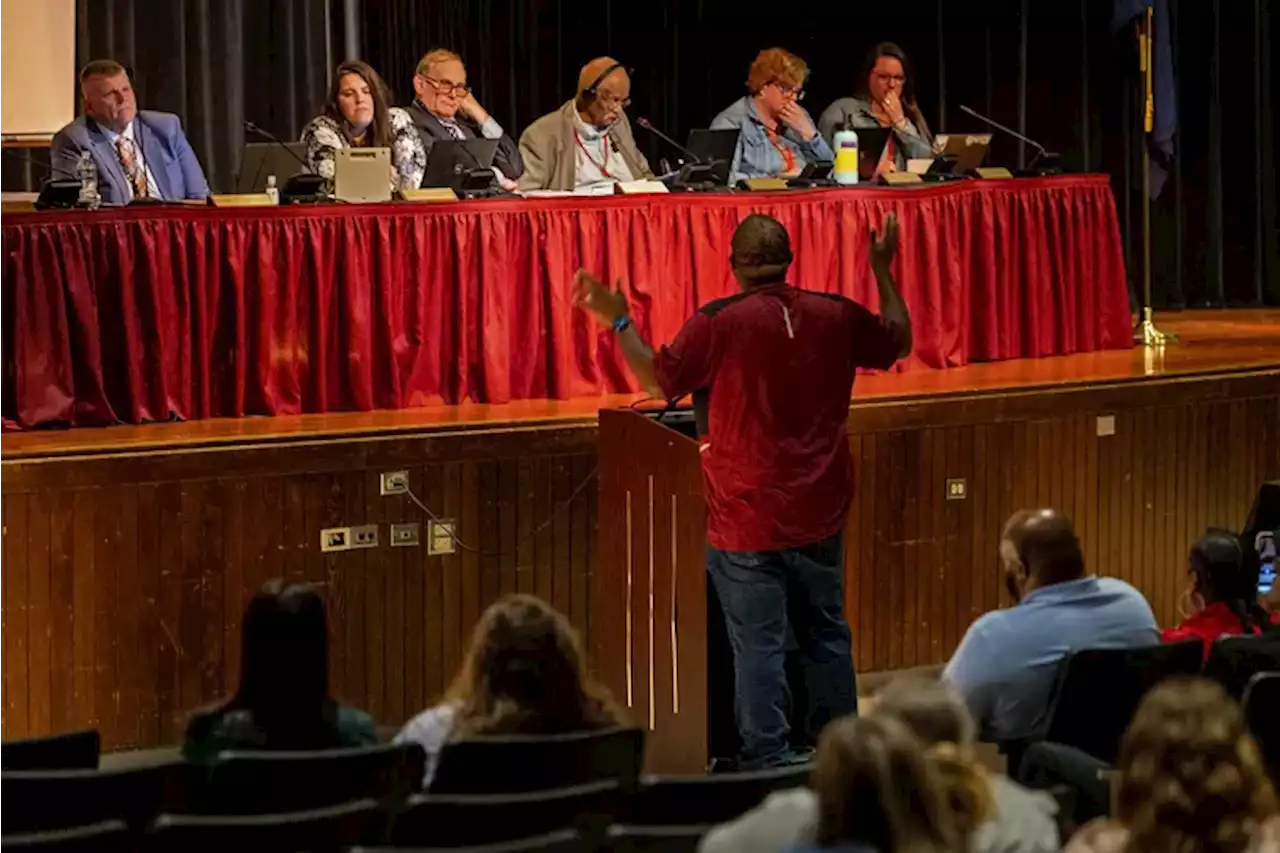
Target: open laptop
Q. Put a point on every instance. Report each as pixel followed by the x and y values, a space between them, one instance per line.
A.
pixel 362 174
pixel 965 151
pixel 461 164
pixel 871 144
pixel 715 148
pixel 258 160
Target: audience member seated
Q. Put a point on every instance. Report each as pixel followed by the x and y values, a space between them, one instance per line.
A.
pixel 885 97
pixel 586 144
pixel 778 138
pixel 1189 778
pixel 358 114
pixel 283 700
pixel 1020 821
pixel 523 674
pixel 1006 665
pixel 445 107
pixel 1223 600
pixel 139 153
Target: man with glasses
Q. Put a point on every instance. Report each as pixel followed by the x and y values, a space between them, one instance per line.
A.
pixel 586 145
pixel 446 108
pixel 778 137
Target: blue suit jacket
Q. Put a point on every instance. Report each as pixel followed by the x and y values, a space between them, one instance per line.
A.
pixel 164 147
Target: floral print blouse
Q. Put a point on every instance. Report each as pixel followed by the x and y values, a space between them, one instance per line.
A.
pixel 323 137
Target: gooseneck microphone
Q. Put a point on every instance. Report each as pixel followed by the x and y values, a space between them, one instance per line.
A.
pixel 648 125
pixel 271 137
pixel 1041 151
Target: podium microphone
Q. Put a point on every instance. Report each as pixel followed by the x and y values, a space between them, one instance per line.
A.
pixel 1041 151
pixel 648 125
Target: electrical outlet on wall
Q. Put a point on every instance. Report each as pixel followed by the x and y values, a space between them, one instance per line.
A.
pixel 393 483
pixel 364 536
pixel 405 535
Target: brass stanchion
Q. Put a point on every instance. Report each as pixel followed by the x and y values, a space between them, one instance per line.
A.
pixel 1145 332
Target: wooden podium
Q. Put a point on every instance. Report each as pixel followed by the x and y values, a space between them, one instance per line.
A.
pixel 648 631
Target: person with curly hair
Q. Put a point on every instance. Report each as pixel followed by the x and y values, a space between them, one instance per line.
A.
pixel 1190 780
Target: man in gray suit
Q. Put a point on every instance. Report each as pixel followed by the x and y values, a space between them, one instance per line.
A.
pixel 139 153
pixel 587 143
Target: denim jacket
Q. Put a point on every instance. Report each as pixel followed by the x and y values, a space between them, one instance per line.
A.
pixel 756 157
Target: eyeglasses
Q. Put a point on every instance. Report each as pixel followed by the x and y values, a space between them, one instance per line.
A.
pixel 796 92
pixel 445 87
pixel 610 101
pixel 891 78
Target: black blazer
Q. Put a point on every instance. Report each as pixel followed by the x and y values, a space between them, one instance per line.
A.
pixel 507 159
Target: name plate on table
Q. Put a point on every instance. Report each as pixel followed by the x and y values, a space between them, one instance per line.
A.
pixel 430 194
pixel 641 187
pixel 992 172
pixel 897 179
pixel 763 184
pixel 241 200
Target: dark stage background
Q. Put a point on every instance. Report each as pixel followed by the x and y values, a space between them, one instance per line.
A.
pixel 1053 69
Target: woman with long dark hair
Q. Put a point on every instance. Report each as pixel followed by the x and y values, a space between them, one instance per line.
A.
pixel 283 700
pixel 884 96
pixel 523 674
pixel 1223 600
pixel 358 114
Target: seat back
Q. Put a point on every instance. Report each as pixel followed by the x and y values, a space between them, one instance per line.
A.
pixel 701 800
pixel 326 830
pixel 450 820
pixel 1234 660
pixel 564 841
pixel 71 751
pixel 110 836
pixel 252 782
pixel 1098 691
pixel 36 801
pixel 658 839
pixel 512 763
pixel 1262 712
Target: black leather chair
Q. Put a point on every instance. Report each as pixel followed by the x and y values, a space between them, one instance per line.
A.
pixel 71 751
pixel 1234 660
pixel 326 830
pixel 513 763
pixel 702 800
pixel 111 836
pixel 1097 692
pixel 36 801
pixel 658 839
pixel 257 782
pixel 451 820
pixel 564 841
pixel 1262 712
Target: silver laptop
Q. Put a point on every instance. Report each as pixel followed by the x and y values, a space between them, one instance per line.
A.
pixel 362 174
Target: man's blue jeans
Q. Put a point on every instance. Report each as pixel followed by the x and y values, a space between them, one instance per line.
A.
pixel 761 592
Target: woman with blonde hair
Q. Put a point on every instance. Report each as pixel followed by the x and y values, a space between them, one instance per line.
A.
pixel 1190 780
pixel 522 674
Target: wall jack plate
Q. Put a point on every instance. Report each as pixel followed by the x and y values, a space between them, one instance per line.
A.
pixel 393 483
pixel 440 538
pixel 364 536
pixel 405 535
pixel 335 539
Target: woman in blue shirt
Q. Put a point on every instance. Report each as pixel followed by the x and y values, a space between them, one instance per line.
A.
pixel 778 138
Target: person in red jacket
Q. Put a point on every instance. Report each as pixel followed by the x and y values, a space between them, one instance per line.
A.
pixel 1224 600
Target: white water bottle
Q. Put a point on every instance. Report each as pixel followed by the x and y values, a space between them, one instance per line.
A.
pixel 273 192
pixel 87 174
pixel 845 142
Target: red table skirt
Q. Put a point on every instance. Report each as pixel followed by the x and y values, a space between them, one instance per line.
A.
pixel 157 313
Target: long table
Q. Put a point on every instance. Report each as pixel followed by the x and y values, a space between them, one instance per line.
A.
pixel 146 314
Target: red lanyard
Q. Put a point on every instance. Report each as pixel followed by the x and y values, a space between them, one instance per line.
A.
pixel 603 167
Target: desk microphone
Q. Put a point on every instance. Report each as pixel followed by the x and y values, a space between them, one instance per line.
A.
pixel 271 137
pixel 1041 151
pixel 648 125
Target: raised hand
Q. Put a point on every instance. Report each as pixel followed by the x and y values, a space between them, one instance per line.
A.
pixel 892 106
pixel 591 295
pixel 884 245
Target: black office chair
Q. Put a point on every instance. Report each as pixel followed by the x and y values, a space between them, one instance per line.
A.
pixel 1097 692
pixel 512 763
pixel 564 841
pixel 1234 660
pixel 37 801
pixel 111 836
pixel 326 830
pixel 656 839
pixel 253 782
pixel 1261 706
pixel 71 751
pixel 702 800
pixel 451 820
pixel 1052 767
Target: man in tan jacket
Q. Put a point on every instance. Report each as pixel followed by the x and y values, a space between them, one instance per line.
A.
pixel 587 143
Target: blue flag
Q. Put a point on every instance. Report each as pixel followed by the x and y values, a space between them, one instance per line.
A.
pixel 1165 124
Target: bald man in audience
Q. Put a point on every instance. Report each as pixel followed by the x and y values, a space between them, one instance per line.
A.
pixel 1008 660
pixel 587 144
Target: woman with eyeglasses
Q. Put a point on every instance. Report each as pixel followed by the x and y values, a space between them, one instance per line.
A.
pixel 885 97
pixel 778 138
pixel 358 114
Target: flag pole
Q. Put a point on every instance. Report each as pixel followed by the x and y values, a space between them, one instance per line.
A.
pixel 1145 332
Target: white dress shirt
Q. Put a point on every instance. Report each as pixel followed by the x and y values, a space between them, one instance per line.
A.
pixel 153 190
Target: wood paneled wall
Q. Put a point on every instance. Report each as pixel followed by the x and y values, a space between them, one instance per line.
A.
pixel 124 576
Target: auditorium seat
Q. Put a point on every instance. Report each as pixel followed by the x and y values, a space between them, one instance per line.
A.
pixel 326 830
pixel 701 800
pixel 253 782
pixel 512 763
pixel 111 836
pixel 564 841
pixel 1262 713
pixel 71 751
pixel 450 820
pixel 1234 660
pixel 37 801
pixel 658 839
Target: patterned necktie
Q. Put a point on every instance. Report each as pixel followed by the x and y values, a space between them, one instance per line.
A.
pixel 454 130
pixel 132 168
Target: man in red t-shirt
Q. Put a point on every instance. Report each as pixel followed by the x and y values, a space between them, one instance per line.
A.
pixel 771 370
